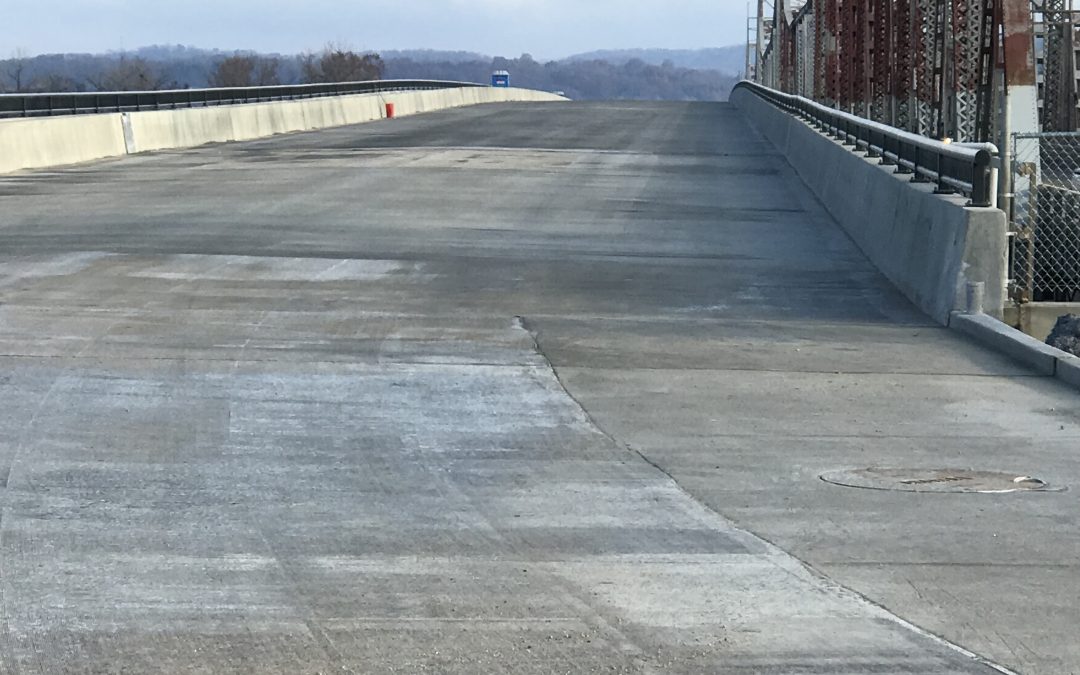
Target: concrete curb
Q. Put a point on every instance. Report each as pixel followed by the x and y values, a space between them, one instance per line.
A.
pixel 1068 370
pixel 1003 338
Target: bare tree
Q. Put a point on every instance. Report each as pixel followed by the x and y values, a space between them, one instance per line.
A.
pixel 266 72
pixel 245 71
pixel 53 83
pixel 337 64
pixel 234 71
pixel 309 68
pixel 129 74
pixel 16 71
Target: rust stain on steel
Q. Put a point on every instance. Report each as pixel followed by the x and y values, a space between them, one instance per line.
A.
pixel 1019 43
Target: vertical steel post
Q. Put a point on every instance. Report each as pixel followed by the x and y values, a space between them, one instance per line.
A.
pixel 1018 33
pixel 751 46
pixel 941 23
pixel 989 29
pixel 820 51
pixel 969 21
pixel 882 70
pixel 848 44
pixel 923 32
pixel 1056 67
pixel 762 40
pixel 834 84
pixel 903 89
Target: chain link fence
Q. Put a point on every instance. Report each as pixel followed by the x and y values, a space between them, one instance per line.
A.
pixel 1045 252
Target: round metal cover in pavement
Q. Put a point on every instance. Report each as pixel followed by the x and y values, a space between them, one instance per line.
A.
pixel 936 480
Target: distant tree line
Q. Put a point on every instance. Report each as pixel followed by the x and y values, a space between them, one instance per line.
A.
pixel 184 67
pixel 333 65
pixel 581 80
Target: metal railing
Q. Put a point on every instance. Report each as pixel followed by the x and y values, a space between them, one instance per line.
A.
pixel 40 105
pixel 965 168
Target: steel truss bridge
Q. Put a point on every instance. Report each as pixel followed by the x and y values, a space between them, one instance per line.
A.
pixel 967 71
pixel 940 68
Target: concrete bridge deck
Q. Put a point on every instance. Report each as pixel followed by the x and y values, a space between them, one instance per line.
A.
pixel 527 388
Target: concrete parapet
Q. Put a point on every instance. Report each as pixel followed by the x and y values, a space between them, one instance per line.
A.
pixel 929 245
pixel 56 141
pixel 53 141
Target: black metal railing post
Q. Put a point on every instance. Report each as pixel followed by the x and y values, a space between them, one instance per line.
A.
pixel 982 180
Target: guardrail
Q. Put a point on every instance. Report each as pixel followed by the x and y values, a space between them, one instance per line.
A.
pixel 41 105
pixel 967 168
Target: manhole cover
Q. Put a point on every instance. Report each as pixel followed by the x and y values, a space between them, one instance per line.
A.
pixel 936 480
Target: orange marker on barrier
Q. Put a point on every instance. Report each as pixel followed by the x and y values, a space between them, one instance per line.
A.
pixel 389 111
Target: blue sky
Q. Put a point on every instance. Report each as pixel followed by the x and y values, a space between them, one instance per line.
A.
pixel 543 28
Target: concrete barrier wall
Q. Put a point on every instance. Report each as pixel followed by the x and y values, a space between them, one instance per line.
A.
pixel 53 141
pixel 57 141
pixel 166 129
pixel 930 246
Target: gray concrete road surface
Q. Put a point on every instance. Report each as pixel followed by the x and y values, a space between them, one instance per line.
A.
pixel 515 389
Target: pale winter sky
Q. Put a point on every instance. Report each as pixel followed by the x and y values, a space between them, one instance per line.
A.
pixel 543 28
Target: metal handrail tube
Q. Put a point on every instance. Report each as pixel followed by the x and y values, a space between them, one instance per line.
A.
pixel 80 103
pixel 955 167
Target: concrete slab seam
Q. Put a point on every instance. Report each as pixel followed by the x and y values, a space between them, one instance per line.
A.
pixel 828 581
pixel 903 623
pixel 778 553
pixel 521 323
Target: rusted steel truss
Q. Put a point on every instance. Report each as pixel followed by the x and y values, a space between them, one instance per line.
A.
pixel 1059 71
pixel 926 66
